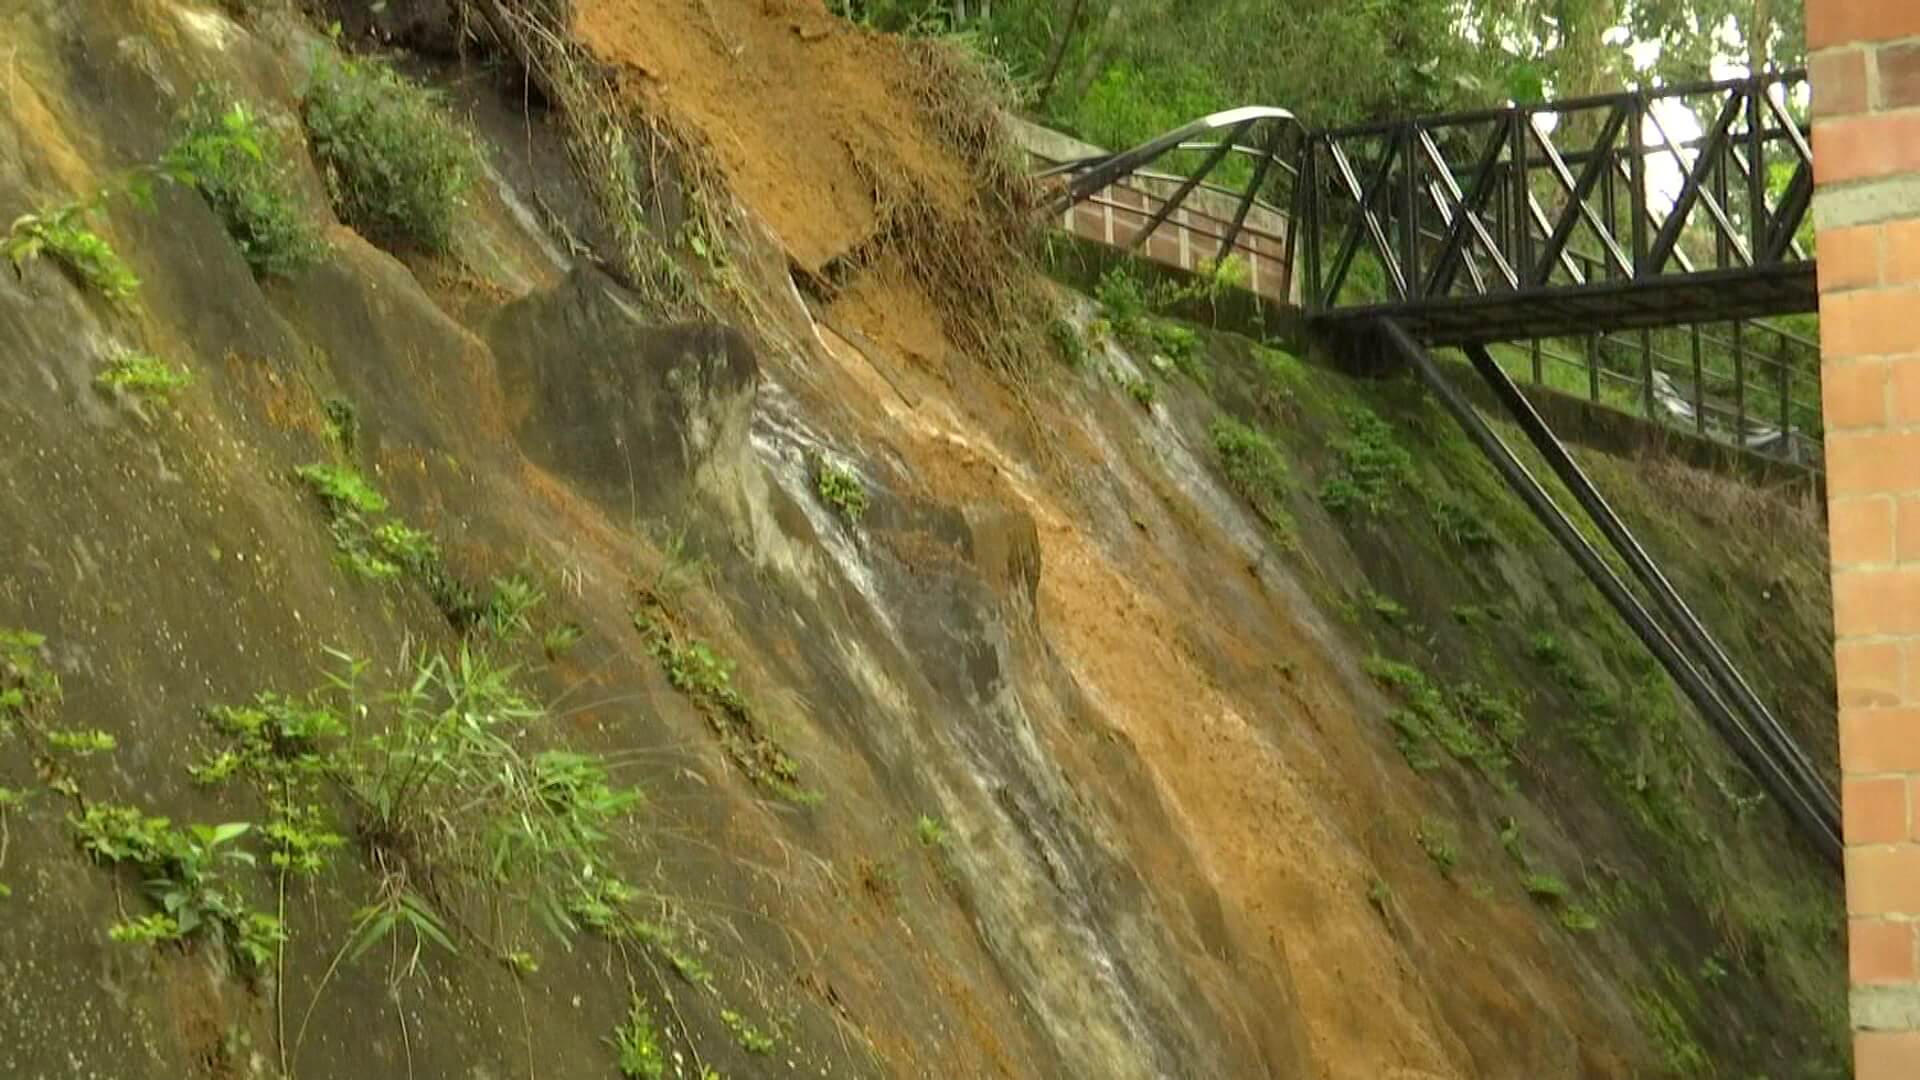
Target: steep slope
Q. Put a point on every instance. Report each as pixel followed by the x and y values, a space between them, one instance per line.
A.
pixel 985 726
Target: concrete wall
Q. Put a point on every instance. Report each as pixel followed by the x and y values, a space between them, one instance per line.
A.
pixel 1865 60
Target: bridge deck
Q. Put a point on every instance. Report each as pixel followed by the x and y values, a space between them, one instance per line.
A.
pixel 1598 307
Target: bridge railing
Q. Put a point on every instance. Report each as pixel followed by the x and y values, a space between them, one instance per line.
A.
pixel 1591 232
pixel 1224 187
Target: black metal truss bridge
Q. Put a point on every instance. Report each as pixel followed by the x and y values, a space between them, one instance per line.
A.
pixel 1591 220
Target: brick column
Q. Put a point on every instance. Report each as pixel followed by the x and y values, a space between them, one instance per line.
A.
pixel 1865 62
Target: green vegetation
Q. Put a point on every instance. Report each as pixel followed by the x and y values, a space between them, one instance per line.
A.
pixel 1372 468
pixel 63 233
pixel 1389 610
pixel 1663 1010
pixel 1068 342
pixel 1442 845
pixel 1255 471
pixel 750 1038
pixel 638 1046
pixel 560 639
pixel 840 489
pixel 81 743
pixel 396 164
pixel 187 874
pixel 146 377
pixel 931 832
pixel 706 677
pixel 26 683
pixel 1466 721
pixel 1143 393
pixel 241 165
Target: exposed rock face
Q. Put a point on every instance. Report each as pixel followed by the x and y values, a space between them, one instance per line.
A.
pixel 631 411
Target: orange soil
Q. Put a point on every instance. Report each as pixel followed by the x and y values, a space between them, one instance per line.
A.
pixel 799 108
pixel 1285 816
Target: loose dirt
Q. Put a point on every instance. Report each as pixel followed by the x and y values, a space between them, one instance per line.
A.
pixel 800 108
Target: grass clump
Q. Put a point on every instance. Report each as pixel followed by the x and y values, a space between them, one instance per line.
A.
pixel 396 163
pixel 1143 392
pixel 840 489
pixel 637 1044
pixel 751 1039
pixel 240 165
pixel 142 375
pixel 1068 343
pixel 1255 471
pixel 1373 467
pixel 1469 723
pixel 696 670
pixel 63 233
pixel 1437 839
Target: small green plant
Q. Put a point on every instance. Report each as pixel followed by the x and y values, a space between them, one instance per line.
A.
pixel 1467 722
pixel 931 831
pixel 695 669
pixel 240 164
pixel 1578 919
pixel 1459 523
pixel 1436 838
pixel 81 743
pixel 343 489
pixel 637 1044
pixel 1373 467
pixel 1387 608
pixel 840 489
pixel 26 683
pixel 560 639
pixel 1142 391
pixel 449 787
pixel 185 873
pixel 1068 343
pixel 1544 887
pixel 750 1038
pixel 410 548
pixel 396 163
pixel 144 376
pixel 62 232
pixel 510 606
pixel 342 420
pixel 1380 895
pixel 1255 470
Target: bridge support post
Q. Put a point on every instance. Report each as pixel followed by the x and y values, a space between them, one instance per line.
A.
pixel 1866 100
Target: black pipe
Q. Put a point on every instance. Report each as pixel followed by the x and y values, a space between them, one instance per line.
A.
pixel 1693 634
pixel 1820 831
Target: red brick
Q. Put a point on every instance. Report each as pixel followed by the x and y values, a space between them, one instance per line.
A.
pixel 1885 1055
pixel 1883 880
pixel 1854 394
pixel 1868 674
pixel 1838 22
pixel 1906 530
pixel 1849 258
pixel 1879 740
pixel 1874 811
pixel 1903 384
pixel 1900 250
pixel 1879 951
pixel 1870 322
pixel 1899 75
pixel 1839 82
pixel 1872 462
pixel 1867 603
pixel 1863 147
pixel 1861 530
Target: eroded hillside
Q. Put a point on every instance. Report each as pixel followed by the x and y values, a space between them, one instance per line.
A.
pixel 673 617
